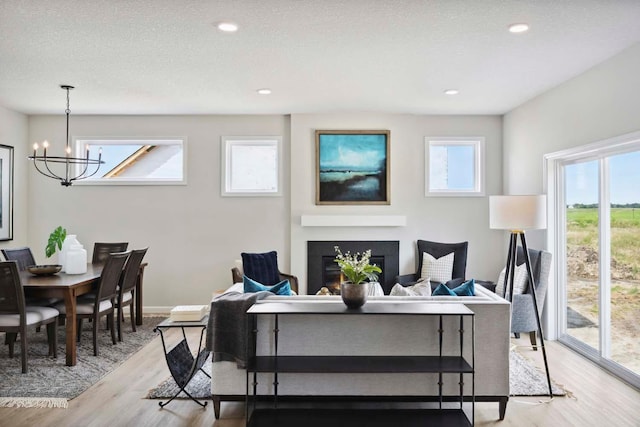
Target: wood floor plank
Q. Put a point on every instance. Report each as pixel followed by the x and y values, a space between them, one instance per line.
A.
pixel 597 399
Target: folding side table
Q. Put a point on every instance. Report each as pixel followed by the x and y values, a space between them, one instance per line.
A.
pixel 182 363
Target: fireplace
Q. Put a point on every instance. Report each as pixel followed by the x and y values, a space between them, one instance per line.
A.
pixel 323 271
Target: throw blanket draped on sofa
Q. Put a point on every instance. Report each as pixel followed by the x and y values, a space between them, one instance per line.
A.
pixel 227 331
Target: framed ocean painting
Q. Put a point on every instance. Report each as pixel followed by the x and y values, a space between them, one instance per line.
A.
pixel 352 167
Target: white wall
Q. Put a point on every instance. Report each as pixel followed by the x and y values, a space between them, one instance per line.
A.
pixel 440 218
pixel 194 235
pixel 13 132
pixel 598 104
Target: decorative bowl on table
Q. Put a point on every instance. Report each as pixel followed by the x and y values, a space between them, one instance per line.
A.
pixel 44 270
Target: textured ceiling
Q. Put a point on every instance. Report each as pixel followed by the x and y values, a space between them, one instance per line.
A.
pixel 166 57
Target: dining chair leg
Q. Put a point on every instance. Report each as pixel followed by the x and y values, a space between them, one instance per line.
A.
pixel 95 337
pixel 133 317
pixel 79 330
pixel 119 323
pixel 11 340
pixel 23 343
pixel 52 339
pixel 113 327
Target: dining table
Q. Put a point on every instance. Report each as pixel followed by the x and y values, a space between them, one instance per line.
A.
pixel 68 287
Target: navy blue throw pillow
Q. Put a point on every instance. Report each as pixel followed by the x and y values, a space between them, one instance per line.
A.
pixel 282 288
pixel 262 268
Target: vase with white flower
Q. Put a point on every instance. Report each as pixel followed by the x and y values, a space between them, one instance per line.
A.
pixel 358 271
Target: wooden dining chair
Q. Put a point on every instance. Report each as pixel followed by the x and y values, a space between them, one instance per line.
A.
pixel 16 316
pixel 103 302
pixel 22 256
pixel 127 288
pixel 101 250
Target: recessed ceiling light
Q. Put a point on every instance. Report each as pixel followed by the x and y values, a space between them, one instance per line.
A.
pixel 519 28
pixel 451 92
pixel 264 91
pixel 227 27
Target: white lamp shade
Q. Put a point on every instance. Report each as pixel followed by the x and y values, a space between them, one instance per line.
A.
pixel 518 212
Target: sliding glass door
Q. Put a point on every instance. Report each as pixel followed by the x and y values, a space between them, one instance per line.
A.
pixel 598 214
pixel 582 248
pixel 625 259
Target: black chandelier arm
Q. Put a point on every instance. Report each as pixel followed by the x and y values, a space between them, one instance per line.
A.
pixel 49 174
pixel 86 167
pixel 94 172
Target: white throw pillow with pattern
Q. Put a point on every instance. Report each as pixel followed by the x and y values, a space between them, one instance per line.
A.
pixel 519 281
pixel 439 270
pixel 422 288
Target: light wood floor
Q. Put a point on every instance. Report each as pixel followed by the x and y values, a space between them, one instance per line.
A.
pixel 598 399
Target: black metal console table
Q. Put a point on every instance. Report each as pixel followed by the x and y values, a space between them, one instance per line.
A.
pixel 429 363
pixel 182 363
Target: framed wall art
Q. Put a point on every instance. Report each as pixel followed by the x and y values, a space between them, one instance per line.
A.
pixel 352 167
pixel 6 192
pixel 251 166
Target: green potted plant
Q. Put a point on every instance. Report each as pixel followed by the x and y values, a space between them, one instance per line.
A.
pixel 56 239
pixel 358 271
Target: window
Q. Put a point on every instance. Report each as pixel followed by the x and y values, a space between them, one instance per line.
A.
pixel 454 166
pixel 135 161
pixel 595 235
pixel 251 166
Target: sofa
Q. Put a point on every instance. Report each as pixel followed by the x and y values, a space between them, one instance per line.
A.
pixel 376 335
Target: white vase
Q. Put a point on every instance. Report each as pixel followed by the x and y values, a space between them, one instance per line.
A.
pixel 76 260
pixel 69 241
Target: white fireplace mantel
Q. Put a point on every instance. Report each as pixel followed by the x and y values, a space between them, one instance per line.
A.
pixel 353 220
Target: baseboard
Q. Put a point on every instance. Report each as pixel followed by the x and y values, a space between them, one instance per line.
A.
pixel 163 310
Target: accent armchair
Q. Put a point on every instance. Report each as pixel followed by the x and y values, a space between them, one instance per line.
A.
pixel 261 267
pixel 523 318
pixel 438 250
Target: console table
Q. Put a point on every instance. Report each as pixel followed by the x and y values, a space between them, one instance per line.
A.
pixel 362 364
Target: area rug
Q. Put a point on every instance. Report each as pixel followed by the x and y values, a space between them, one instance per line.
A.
pixel 525 380
pixel 49 382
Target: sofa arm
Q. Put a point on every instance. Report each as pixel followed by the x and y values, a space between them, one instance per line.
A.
pixel 407 279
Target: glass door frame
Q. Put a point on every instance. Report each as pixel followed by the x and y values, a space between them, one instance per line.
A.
pixel 554 182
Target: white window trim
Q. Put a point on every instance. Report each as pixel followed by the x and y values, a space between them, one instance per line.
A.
pixel 478 142
pixel 226 144
pixel 79 150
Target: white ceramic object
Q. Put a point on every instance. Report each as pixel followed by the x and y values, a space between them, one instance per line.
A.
pixel 69 241
pixel 76 260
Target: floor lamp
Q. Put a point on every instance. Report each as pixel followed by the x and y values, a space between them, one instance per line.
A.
pixel 517 214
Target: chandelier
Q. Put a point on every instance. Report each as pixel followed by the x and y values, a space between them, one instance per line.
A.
pixel 71 164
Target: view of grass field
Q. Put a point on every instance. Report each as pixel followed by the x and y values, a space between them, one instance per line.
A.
pixel 583 280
